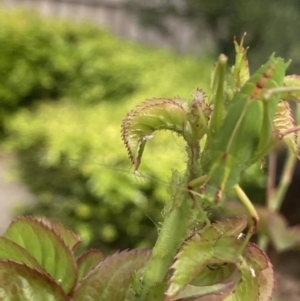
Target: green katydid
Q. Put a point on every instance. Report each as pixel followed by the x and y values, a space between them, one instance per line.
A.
pixel 244 136
pixel 246 130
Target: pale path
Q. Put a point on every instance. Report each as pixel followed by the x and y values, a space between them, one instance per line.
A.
pixel 12 192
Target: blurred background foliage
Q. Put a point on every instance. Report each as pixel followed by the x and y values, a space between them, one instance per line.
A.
pixel 65 88
pixel 64 91
pixel 270 25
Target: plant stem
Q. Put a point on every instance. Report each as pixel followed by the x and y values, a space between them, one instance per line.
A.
pixel 285 180
pixel 271 177
pixel 263 242
pixel 275 197
pixel 171 236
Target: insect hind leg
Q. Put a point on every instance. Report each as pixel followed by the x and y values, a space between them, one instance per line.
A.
pixel 200 181
pixel 252 212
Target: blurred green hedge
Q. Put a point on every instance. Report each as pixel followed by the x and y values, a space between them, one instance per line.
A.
pixel 47 59
pixel 70 151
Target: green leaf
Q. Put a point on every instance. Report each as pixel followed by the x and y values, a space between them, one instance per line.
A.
pixel 225 249
pixel 210 233
pixel 43 243
pixel 247 289
pixel 213 274
pixel 19 282
pixel 206 250
pixel 111 278
pixel 87 261
pixel 71 239
pixel 156 293
pixel 12 251
pixel 215 292
pixel 194 256
pixel 150 116
pixel 231 227
pixel 283 237
pixel 275 226
pixel 257 277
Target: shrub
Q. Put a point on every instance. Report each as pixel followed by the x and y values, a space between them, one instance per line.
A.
pixel 55 59
pixel 64 145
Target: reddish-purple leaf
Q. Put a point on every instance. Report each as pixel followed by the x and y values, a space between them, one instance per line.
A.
pixel 198 253
pixel 111 278
pixel 87 261
pixel 19 282
pixel 48 248
pixel 263 269
pixel 257 277
pixel 71 239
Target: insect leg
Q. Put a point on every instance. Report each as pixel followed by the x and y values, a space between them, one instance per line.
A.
pixel 217 96
pixel 272 143
pixel 198 182
pixel 252 212
pixel 291 130
pixel 267 139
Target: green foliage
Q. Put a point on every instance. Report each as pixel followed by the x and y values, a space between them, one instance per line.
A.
pixel 218 245
pixel 37 258
pixel 70 151
pixel 54 59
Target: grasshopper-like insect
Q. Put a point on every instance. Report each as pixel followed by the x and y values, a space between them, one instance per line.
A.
pixel 238 134
pixel 243 137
